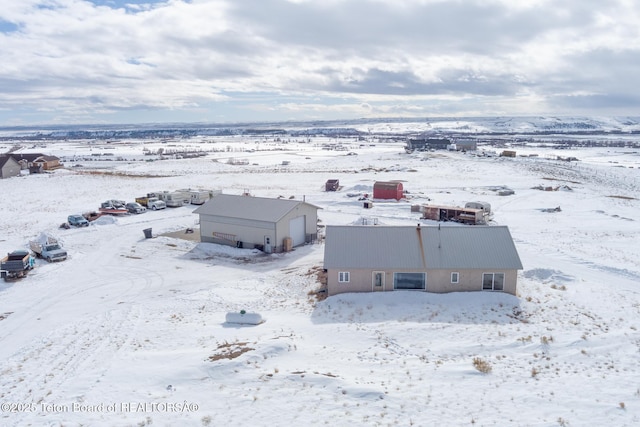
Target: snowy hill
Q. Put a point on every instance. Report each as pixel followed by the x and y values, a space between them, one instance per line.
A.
pixel 364 127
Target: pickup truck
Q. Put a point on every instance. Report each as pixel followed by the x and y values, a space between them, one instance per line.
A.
pixel 48 248
pixel 151 202
pixel 16 264
pixel 135 208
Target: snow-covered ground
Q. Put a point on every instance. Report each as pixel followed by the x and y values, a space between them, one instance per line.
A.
pixel 131 331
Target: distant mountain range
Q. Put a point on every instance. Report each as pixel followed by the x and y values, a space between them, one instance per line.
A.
pixel 406 127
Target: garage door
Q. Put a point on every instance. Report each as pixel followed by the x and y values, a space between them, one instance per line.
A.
pixel 296 230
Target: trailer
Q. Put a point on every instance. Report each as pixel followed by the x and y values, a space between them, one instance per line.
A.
pixel 199 197
pixel 453 213
pixel 16 265
pixel 108 208
pixel 173 199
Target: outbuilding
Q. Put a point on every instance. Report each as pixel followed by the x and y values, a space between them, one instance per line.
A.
pixel 332 185
pixel 466 145
pixel 388 190
pixel 271 225
pixel 426 143
pixel 8 166
pixel 424 258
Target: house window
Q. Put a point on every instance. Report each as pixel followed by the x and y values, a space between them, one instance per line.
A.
pixel 455 277
pixel 343 277
pixel 409 281
pixel 492 281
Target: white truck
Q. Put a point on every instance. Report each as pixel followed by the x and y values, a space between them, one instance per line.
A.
pixel 151 201
pixel 48 248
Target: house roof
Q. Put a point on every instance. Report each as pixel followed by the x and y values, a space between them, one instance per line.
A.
pixel 409 247
pixel 46 158
pixel 4 158
pixel 30 157
pixel 388 185
pixel 248 207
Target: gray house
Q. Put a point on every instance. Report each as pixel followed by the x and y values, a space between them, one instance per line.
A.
pixel 9 166
pixel 272 225
pixel 433 259
pixel 426 144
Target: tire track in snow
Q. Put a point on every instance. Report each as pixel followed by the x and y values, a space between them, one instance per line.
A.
pixel 134 283
pixel 79 353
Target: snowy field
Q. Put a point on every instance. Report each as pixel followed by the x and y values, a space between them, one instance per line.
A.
pixel 131 331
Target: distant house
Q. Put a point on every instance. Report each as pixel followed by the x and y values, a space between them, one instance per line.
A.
pixel 432 259
pixel 425 144
pixel 37 162
pixel 8 166
pixel 271 225
pixel 466 145
pixel 388 190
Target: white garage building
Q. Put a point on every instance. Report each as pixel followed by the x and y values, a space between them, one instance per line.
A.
pixel 272 225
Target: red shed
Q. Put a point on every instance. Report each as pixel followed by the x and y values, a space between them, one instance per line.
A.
pixel 388 190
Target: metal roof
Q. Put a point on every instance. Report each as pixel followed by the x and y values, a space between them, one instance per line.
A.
pixel 431 247
pixel 249 207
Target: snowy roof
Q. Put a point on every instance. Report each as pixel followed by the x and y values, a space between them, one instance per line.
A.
pixel 248 207
pixel 409 247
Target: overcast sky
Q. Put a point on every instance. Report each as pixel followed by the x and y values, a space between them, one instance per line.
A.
pixel 113 61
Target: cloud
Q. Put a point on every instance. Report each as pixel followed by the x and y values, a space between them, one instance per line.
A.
pixel 427 56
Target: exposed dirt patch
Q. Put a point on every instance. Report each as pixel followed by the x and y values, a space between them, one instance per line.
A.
pixel 230 351
pixel 118 173
pixel 563 180
pixel 320 293
pixel 191 234
pixel 622 197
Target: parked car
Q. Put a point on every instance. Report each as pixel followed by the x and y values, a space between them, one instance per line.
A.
pixel 77 221
pixel 135 207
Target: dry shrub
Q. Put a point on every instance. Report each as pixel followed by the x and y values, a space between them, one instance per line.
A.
pixel 321 292
pixel 482 365
pixel 230 351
